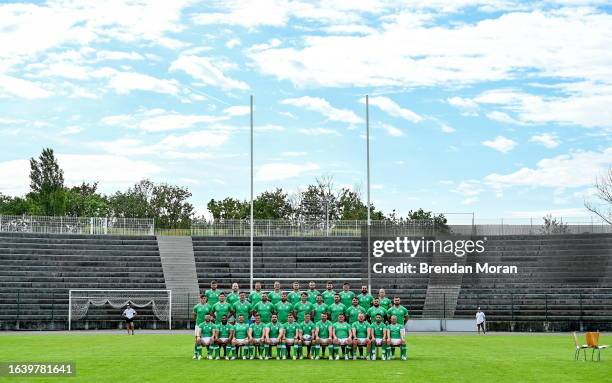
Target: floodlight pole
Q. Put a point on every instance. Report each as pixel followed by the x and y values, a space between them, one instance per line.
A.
pixel 368 187
pixel 251 244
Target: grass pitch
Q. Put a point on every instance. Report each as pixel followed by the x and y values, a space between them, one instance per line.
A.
pixel 103 357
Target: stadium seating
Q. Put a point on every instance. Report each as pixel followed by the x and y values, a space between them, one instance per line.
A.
pixel 37 270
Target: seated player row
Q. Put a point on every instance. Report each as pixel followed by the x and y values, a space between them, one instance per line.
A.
pixel 265 306
pixel 290 339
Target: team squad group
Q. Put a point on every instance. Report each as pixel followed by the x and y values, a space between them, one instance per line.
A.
pixel 299 324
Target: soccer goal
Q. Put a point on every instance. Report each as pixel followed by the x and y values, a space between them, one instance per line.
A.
pixel 79 301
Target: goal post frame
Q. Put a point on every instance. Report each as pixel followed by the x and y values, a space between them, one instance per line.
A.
pixel 169 292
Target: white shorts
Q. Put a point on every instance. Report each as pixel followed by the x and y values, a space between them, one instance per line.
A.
pixel 273 341
pixel 396 342
pixel 307 339
pixel 256 340
pixel 205 340
pixel 378 342
pixel 342 341
pixel 324 341
pixel 223 340
pixel 241 342
pixel 290 340
pixel 361 341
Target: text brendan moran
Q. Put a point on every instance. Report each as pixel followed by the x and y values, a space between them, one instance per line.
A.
pixel 426 268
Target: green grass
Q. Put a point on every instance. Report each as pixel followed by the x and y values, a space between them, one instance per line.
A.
pixel 432 358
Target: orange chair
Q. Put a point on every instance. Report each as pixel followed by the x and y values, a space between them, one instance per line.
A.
pixel 579 347
pixel 592 339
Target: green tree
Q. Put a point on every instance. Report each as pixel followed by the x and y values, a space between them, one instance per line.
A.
pixel 351 207
pixel 15 205
pixel 47 185
pixel 229 208
pixel 170 206
pixel 272 205
pixel 85 201
pixel 318 202
pixel 427 219
pixel 135 202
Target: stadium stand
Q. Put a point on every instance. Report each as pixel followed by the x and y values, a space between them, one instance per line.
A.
pixel 37 270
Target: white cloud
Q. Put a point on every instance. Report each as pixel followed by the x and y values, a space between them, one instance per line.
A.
pixel 232 43
pixel 322 106
pixel 125 82
pixel 71 130
pixel 548 140
pixel 467 105
pixel 503 117
pixel 203 70
pixel 501 144
pixel 237 110
pixel 113 172
pixel 318 131
pixel 13 86
pixel 278 171
pixel 118 55
pixel 392 108
pixel 447 128
pixel 392 130
pixel 159 120
pixel 576 169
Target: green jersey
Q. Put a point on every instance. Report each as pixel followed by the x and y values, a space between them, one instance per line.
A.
pixel 302 308
pixel 312 296
pixel 361 329
pixel 378 329
pixel 207 329
pixel 201 310
pixel 273 329
pixel 274 297
pixel 232 298
pixel 341 330
pixel 244 309
pixel 282 309
pixel 213 296
pixel 323 328
pixel 373 311
pixel 224 330
pixel 255 297
pixel 257 330
pixel 318 310
pixel 395 330
pixel 346 297
pixel 294 297
pixel 264 309
pixel 353 313
pixel 335 310
pixel 328 296
pixel 400 312
pixel 385 303
pixel 291 329
pixel 221 309
pixel 241 330
pixel 365 300
pixel 307 327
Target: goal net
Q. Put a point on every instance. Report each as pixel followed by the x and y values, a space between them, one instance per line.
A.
pixel 80 300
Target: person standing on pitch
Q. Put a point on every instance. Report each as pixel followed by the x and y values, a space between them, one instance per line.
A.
pixel 129 314
pixel 480 321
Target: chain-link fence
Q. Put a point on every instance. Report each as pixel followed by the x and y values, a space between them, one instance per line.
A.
pixel 77 225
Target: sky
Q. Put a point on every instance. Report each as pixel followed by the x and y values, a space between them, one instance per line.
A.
pixel 501 108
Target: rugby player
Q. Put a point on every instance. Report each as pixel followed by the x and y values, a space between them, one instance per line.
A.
pixel 353 311
pixel 384 301
pixel 319 308
pixel 221 308
pixel 336 308
pixel 341 336
pixel 302 307
pixel 271 336
pixel 365 298
pixel 213 293
pixel 234 296
pixel 290 338
pixel 375 310
pixel 307 329
pixel 396 336
pixel 361 337
pixel 256 335
pixel 399 311
pixel 378 337
pixel 346 295
pixel 312 292
pixel 201 310
pixel 264 308
pixel 283 308
pixel 275 295
pixel 240 340
pixel 204 336
pixel 295 296
pixel 328 294
pixel 322 337
pixel 223 338
pixel 255 296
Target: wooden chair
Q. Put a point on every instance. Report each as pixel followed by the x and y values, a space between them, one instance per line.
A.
pixel 592 339
pixel 579 347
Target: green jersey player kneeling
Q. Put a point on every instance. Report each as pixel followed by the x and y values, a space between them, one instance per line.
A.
pixel 205 336
pixel 395 338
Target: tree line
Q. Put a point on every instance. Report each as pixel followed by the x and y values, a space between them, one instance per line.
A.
pixel 170 207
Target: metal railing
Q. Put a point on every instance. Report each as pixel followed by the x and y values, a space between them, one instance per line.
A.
pixel 77 225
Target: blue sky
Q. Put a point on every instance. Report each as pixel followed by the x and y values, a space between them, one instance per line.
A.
pixel 501 108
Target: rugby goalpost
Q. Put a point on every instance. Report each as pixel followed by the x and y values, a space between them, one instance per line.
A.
pixel 79 301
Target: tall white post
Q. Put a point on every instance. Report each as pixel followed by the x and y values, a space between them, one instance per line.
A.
pixel 252 222
pixel 368 187
pixel 170 310
pixel 69 309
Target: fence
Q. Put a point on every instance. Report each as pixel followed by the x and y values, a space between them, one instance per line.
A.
pixel 77 225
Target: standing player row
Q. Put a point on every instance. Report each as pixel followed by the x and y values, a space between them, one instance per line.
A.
pixel 297 303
